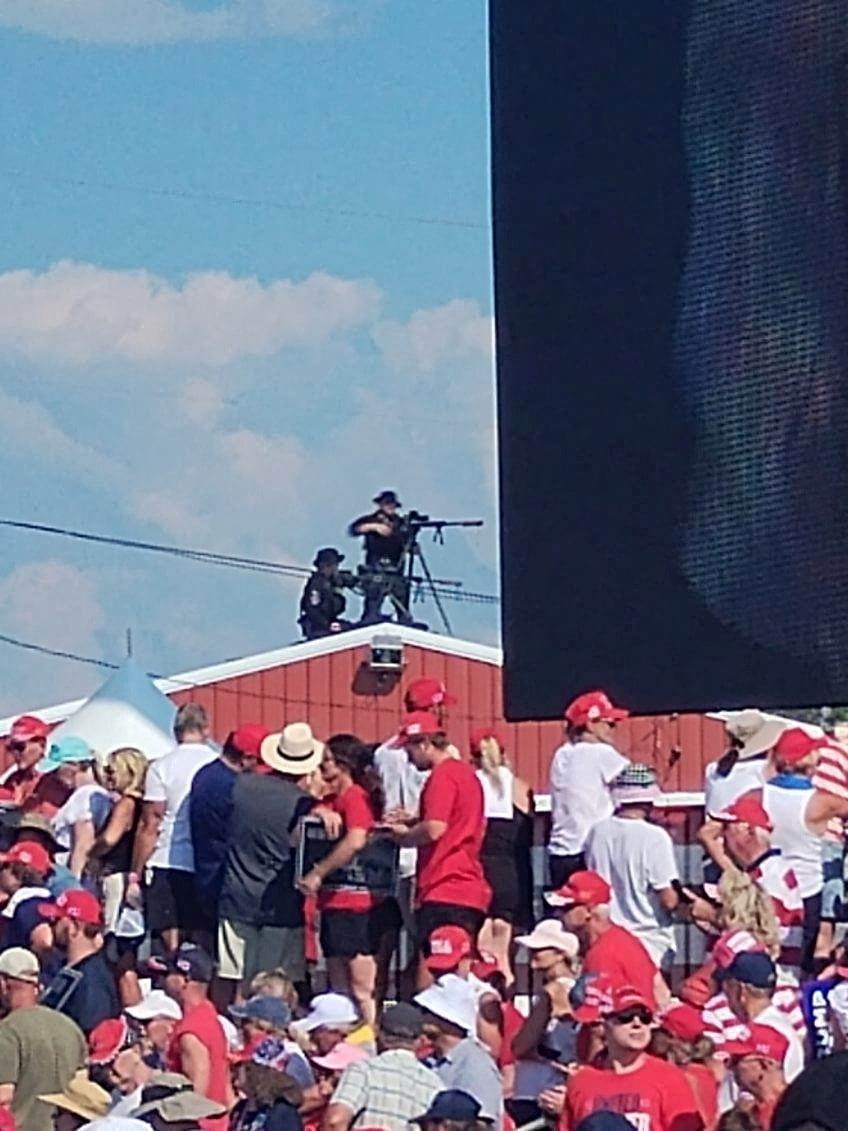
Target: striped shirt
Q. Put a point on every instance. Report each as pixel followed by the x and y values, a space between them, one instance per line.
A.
pixel 831 774
pixel 387 1091
pixel 721 1023
pixel 779 881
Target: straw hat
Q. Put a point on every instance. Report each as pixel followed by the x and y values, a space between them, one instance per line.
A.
pixel 172 1096
pixel 82 1097
pixel 755 731
pixel 293 750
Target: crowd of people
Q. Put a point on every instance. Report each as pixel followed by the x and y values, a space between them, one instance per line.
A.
pixel 284 933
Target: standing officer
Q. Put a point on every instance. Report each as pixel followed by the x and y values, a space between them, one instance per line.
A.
pixel 384 533
pixel 322 602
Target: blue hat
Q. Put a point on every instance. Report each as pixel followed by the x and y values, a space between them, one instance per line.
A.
pixel 753 969
pixel 604 1121
pixel 68 749
pixel 262 1007
pixel 453 1104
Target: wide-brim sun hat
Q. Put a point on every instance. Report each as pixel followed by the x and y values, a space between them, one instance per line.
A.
pixel 293 750
pixel 756 732
pixel 82 1097
pixel 550 934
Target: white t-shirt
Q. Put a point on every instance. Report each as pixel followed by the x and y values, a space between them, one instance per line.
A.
pixel 88 803
pixel 581 774
pixel 721 792
pixel 402 785
pixel 169 780
pixel 637 861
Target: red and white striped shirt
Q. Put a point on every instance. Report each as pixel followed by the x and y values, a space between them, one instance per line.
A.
pixel 721 1023
pixel 779 881
pixel 831 775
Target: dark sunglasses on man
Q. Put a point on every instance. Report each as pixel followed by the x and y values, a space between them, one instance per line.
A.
pixel 637 1013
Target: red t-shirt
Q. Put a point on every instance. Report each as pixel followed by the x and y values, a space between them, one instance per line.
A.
pixel 450 871
pixel 354 808
pixel 47 796
pixel 654 1097
pixel 621 956
pixel 202 1022
pixel 704 1085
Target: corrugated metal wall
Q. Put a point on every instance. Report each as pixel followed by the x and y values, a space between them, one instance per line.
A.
pixel 337 693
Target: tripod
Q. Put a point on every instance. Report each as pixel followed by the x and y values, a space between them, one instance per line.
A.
pixel 415 553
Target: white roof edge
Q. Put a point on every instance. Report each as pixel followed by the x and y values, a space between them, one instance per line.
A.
pixel 292 653
pixel 327 645
pixel 673 800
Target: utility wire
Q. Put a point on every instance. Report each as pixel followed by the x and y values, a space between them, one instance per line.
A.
pixel 209 557
pixel 251 202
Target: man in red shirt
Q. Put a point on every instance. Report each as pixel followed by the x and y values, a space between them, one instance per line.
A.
pixel 757 1061
pixel 198 1048
pixel 450 886
pixel 652 1094
pixel 26 743
pixel 606 948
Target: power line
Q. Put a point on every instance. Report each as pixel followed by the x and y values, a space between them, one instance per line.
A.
pixel 251 202
pixel 209 557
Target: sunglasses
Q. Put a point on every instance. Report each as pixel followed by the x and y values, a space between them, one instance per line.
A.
pixel 16 747
pixel 637 1013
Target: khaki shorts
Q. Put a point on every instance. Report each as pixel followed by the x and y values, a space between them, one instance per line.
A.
pixel 245 951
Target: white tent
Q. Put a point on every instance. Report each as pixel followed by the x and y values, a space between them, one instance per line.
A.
pixel 128 710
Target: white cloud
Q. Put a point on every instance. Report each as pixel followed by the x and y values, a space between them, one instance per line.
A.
pixel 78 314
pixel 143 22
pixel 27 425
pixel 429 338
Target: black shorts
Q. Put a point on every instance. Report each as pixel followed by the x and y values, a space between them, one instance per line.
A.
pixel 432 915
pixel 344 934
pixel 171 903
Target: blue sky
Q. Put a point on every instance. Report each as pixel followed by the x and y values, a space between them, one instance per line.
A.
pixel 235 376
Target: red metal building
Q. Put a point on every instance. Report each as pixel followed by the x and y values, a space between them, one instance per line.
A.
pixel 329 683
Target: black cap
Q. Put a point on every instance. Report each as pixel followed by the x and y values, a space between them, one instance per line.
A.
pixel 192 962
pixel 387 497
pixel 753 969
pixel 402 1020
pixel 328 555
pixel 453 1104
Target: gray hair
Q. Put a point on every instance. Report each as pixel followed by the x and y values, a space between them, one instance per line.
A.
pixel 190 717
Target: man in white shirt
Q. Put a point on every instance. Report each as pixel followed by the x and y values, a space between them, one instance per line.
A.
pixel 582 770
pixel 749 983
pixel 163 840
pixel 636 859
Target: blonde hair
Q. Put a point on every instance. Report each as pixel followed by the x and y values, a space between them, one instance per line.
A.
pixel 275 983
pixel 124 770
pixel 489 757
pixel 744 905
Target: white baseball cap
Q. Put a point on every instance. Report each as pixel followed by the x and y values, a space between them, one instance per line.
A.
pixel 550 934
pixel 328 1011
pixel 155 1004
pixel 452 999
pixel 21 964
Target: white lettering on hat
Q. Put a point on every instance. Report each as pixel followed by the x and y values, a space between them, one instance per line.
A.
pixel 440 946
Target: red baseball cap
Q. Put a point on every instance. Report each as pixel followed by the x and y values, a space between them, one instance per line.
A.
pixel 683 1021
pixel 626 997
pixel 762 1041
pixel 593 707
pixel 28 727
pixel 597 996
pixel 586 889
pixel 746 811
pixel 419 724
pixel 480 733
pixel 448 946
pixel 74 904
pixel 106 1040
pixel 425 693
pixel 28 852
pixel 485 965
pixel 794 745
pixel 248 739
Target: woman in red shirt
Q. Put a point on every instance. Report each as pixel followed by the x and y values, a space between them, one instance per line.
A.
pixel 358 927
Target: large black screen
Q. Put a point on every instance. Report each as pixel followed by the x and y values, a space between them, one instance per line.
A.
pixel 672 342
